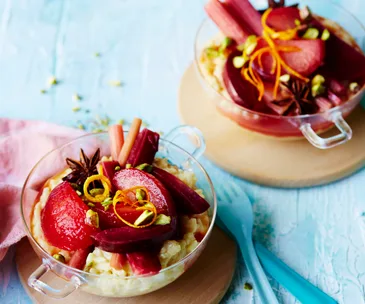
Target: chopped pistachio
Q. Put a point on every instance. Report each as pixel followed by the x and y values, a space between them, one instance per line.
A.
pixel 311 33
pixel 43 91
pixel 128 166
pixel 76 109
pixel 143 217
pixel 97 130
pixel 76 97
pixel 140 195
pixel 52 80
pixel 241 47
pixel 97 54
pixel 162 219
pixel 238 62
pixel 247 286
pixel 211 52
pixel 92 218
pixel 96 191
pixel 225 43
pixel 115 83
pixel 117 168
pixel 121 121
pixel 91 205
pixel 284 78
pixel 297 22
pixel 78 193
pixel 318 79
pixel 250 44
pixel 59 257
pixel 325 35
pixel 106 203
pixel 354 86
pixel 81 127
pixel 318 89
pixel 145 167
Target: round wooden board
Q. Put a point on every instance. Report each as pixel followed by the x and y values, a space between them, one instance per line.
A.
pixel 263 160
pixel 205 282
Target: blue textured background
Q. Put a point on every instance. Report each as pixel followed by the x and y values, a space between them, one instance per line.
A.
pixel 147 44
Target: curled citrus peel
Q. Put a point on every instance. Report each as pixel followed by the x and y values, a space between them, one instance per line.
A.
pixel 274 50
pixel 99 197
pixel 121 196
pixel 288 34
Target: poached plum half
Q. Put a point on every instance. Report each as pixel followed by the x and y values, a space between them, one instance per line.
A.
pixel 139 217
pixel 283 61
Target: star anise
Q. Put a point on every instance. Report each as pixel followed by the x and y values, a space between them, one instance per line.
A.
pixel 82 169
pixel 274 4
pixel 297 98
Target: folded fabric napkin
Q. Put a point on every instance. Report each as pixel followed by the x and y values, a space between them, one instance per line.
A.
pixel 22 145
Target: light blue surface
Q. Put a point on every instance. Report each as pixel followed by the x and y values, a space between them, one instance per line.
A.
pixel 147 44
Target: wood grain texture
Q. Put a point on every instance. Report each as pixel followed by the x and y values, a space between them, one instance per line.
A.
pixel 206 282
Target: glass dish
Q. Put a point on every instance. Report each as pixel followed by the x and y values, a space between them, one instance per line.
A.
pixel 109 285
pixel 294 127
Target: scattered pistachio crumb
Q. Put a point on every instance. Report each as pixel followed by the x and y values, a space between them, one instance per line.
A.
pixel 115 83
pixel 297 22
pixel 318 89
pixel 43 91
pixel 128 166
pixel 97 54
pixel 76 97
pixel 162 219
pixel 354 86
pixel 92 218
pixel 247 286
pixel 52 80
pixel 76 109
pixel 91 205
pixel 238 62
pixel 97 130
pixel 81 127
pixel 311 33
pixel 117 168
pixel 325 35
pixel 284 78
pixel 78 193
pixel 121 121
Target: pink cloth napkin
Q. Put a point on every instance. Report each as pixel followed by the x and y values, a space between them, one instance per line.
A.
pixel 22 144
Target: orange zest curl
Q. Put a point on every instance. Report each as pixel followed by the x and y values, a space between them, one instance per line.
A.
pixel 274 50
pixel 121 196
pixel 99 197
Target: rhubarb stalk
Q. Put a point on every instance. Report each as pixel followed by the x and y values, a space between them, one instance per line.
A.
pixel 129 142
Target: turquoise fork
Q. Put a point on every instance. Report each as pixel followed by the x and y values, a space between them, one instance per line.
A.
pixel 235 216
pixel 239 221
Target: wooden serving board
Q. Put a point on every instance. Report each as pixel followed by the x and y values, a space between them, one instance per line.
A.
pixel 205 282
pixel 263 160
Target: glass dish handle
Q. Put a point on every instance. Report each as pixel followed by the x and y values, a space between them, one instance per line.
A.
pixel 330 142
pixel 35 282
pixel 193 133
